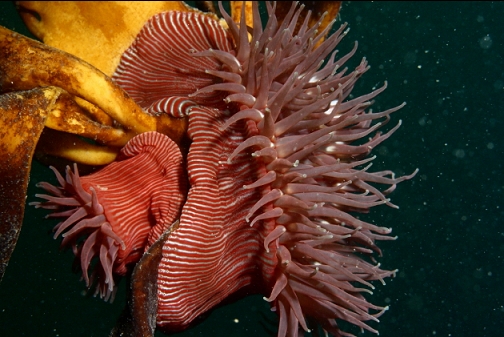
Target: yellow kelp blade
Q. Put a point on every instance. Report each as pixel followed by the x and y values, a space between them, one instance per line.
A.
pixel 98 32
pixel 22 117
pixel 74 149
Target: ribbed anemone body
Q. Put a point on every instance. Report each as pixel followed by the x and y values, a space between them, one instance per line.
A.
pixel 214 251
pixel 115 214
pixel 278 161
pixel 158 70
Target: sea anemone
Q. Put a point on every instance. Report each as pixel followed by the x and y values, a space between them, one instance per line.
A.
pixel 116 213
pixel 274 173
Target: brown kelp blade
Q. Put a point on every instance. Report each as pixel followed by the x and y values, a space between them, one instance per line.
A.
pixel 22 118
pixel 139 316
pixel 26 64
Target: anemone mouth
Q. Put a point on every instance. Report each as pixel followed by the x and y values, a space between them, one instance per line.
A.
pixel 115 214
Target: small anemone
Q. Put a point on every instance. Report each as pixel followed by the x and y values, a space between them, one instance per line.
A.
pixel 106 218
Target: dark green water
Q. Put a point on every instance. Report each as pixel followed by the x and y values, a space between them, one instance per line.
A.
pixel 446 61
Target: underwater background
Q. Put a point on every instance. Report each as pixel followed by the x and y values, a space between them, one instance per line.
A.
pixel 446 60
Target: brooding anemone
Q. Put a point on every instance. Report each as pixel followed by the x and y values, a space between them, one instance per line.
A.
pixel 116 213
pixel 274 169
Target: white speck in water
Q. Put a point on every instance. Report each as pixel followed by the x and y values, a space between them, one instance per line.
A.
pixel 485 42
